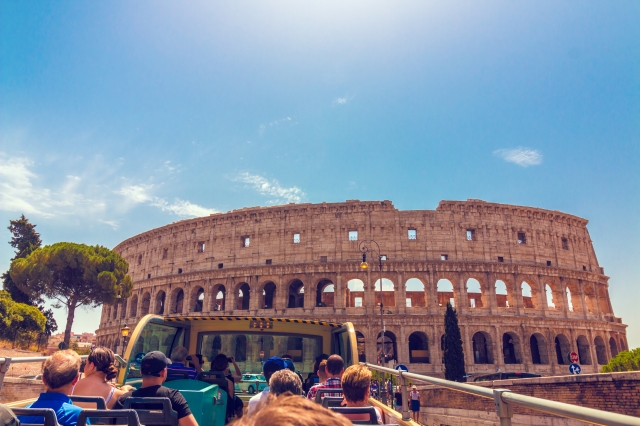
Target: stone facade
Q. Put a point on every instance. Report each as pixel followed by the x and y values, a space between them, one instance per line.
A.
pixel 525 281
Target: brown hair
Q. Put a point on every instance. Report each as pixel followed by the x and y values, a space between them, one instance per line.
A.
pixel 285 380
pixel 292 410
pixel 104 361
pixel 355 382
pixel 335 364
pixel 61 369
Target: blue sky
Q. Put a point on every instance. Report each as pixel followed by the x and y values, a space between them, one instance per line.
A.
pixel 118 117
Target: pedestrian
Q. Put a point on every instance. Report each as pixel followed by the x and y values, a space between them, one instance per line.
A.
pixel 415 403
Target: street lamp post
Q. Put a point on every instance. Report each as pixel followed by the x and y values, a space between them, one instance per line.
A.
pixel 124 331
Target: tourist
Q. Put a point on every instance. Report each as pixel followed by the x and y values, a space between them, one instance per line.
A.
pixel 291 410
pixel 322 371
pixel 334 369
pixel 356 382
pixel 415 403
pixel 288 361
pixel 234 403
pixel 59 375
pixel 285 381
pixel 178 364
pixel 99 370
pixel 154 372
pixel 312 378
pixel 7 418
pixel 270 366
pixel 374 389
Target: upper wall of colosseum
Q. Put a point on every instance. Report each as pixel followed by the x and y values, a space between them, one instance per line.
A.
pixel 471 230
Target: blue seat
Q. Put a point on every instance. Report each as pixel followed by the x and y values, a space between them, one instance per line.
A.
pixel 332 401
pixel 107 416
pixel 49 416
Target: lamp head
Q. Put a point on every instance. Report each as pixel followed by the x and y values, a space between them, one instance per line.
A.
pixel 125 331
pixel 364 265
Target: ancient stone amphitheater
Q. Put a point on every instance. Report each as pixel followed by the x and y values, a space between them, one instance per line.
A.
pixel 526 282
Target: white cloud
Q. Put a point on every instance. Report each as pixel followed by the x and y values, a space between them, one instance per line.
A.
pixel 17 192
pixel 343 100
pixel 271 189
pixel 141 193
pixel 112 223
pixel 275 123
pixel 524 157
pixel 136 193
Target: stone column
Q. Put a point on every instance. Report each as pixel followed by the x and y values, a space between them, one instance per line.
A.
pixel 231 296
pixel 432 292
pixel 463 300
pixel 564 298
pixel 400 295
pixel 256 296
pixel 338 293
pixel 491 301
pixel 542 296
pixel 517 291
pixel 186 302
pixel 498 354
pixel 583 299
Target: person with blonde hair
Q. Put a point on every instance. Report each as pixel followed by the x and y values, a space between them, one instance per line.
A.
pixel 99 370
pixel 291 410
pixel 356 383
pixel 60 373
pixel 285 381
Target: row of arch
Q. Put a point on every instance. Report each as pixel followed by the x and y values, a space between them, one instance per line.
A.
pixel 354 297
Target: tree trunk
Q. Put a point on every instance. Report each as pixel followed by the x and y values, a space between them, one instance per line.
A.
pixel 71 312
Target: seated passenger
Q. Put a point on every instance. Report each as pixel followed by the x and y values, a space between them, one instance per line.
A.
pixel 291 410
pixel 322 371
pixel 179 360
pixel 334 370
pixel 98 371
pixel 270 366
pixel 356 382
pixel 288 362
pixel 60 373
pixel 154 372
pixel 312 378
pixel 285 381
pixel 221 363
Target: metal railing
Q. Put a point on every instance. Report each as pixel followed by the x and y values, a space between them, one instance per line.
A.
pixel 5 363
pixel 505 400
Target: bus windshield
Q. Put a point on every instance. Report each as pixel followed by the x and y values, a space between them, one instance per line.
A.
pixel 154 337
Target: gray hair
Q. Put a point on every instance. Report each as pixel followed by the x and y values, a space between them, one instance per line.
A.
pixel 179 354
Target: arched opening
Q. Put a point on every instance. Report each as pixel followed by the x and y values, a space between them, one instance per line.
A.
pixel 133 306
pixel 178 303
pixel 415 295
pixel 268 295
pixel 325 293
pixel 244 297
pixel 160 300
pixel 354 297
pixel 482 348
pixel 146 302
pixel 562 349
pixel 362 357
pixel 569 301
pixel 123 309
pixel 527 296
pixel 590 299
pixel 538 344
pixel 220 298
pixel 502 300
pixel 511 348
pixel 623 347
pixel 601 351
pixel 390 347
pixel 199 300
pixel 445 293
pixel 418 348
pixel 474 293
pixel 240 352
pixel 584 351
pixel 604 301
pixel 550 301
pixel 216 347
pixel 387 296
pixel 267 346
pixel 613 346
pixel 296 294
pixel 295 348
pixel 154 343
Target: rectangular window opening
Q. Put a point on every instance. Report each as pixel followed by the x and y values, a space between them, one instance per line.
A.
pixel 413 234
pixel 444 257
pixel 584 268
pixel 522 238
pixel 148 276
pixel 383 257
pixel 323 259
pixel 246 241
pixel 353 235
pixel 565 244
pixel 165 253
pixel 471 234
pixel 472 303
pixel 268 261
pixel 357 302
pixel 408 302
pixel 220 265
pixel 201 246
pixel 500 259
pixel 179 270
pixel 296 238
pixel 548 263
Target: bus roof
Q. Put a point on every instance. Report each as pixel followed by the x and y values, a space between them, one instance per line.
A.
pixel 237 318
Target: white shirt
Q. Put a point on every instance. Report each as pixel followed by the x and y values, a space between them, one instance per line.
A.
pixel 257 399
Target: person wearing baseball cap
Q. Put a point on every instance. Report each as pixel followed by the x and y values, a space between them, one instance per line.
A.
pixel 270 366
pixel 154 372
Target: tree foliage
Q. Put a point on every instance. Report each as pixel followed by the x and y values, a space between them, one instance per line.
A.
pixel 624 361
pixel 453 354
pixel 19 321
pixel 73 275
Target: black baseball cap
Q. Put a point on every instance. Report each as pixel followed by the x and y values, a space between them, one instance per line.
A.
pixel 153 363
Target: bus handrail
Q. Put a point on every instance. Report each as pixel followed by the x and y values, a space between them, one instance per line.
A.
pixel 6 361
pixel 505 400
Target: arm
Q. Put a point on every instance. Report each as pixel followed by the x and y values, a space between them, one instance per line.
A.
pixel 188 421
pixel 196 363
pixel 230 385
pixel 238 373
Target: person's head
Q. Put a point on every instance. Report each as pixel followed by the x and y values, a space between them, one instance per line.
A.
pixel 292 410
pixel 101 360
pixel 285 381
pixel 414 388
pixel 61 371
pixel 153 368
pixel 272 365
pixel 179 354
pixel 322 373
pixel 335 366
pixel 287 356
pixel 319 359
pixel 288 364
pixel 220 363
pixel 355 383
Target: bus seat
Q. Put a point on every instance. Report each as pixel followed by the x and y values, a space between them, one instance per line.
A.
pixel 332 401
pixel 98 400
pixel 177 375
pixel 48 415
pixel 156 411
pixel 129 415
pixel 373 418
pixel 214 378
pixel 321 392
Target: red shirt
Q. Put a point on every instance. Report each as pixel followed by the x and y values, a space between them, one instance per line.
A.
pixel 332 383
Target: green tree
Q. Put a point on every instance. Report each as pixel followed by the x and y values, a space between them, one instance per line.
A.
pixel 453 354
pixel 624 361
pixel 25 240
pixel 73 275
pixel 19 321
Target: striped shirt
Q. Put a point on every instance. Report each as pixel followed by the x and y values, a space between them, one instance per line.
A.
pixel 332 383
pixel 178 367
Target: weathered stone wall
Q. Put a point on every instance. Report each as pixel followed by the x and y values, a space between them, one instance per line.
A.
pixel 14 389
pixel 302 260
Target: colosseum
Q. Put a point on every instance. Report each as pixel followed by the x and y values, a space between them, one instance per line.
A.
pixel 525 282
